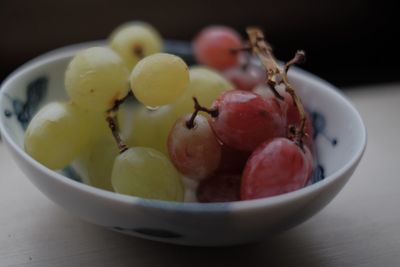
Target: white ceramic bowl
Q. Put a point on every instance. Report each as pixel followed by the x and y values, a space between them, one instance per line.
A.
pixel 340 140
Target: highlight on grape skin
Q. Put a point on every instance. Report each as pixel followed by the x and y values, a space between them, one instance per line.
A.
pixel 95 78
pixel 159 79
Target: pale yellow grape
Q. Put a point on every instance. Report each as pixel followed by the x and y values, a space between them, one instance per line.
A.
pixel 58 133
pixel 101 141
pixel 135 40
pixel 159 79
pixel 101 128
pixel 95 78
pixel 100 162
pixel 150 128
pixel 147 173
pixel 206 85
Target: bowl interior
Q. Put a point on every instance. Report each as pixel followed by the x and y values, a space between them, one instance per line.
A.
pixel 339 132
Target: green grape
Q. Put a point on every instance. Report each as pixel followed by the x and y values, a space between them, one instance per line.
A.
pixel 58 133
pixel 150 128
pixel 101 128
pixel 159 79
pixel 135 40
pixel 100 133
pixel 95 78
pixel 100 162
pixel 206 85
pixel 146 172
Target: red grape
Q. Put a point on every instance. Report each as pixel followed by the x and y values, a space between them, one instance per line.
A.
pixel 310 161
pixel 232 160
pixel 219 188
pixel 213 47
pixel 245 119
pixel 276 167
pixel 289 108
pixel 195 152
pixel 287 102
pixel 245 77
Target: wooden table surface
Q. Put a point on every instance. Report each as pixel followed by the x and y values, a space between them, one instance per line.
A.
pixel 360 227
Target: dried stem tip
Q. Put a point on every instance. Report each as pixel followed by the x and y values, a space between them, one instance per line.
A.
pixel 276 75
pixel 299 58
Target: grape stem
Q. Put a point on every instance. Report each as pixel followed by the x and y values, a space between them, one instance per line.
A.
pixel 111 119
pixel 197 107
pixel 276 75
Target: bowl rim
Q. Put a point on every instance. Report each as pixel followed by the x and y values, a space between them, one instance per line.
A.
pixel 68 51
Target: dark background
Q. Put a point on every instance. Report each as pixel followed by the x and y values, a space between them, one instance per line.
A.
pixel 348 43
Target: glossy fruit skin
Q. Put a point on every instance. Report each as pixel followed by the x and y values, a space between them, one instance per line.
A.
pixel 245 119
pixel 195 152
pixel 213 45
pixel 276 167
pixel 221 187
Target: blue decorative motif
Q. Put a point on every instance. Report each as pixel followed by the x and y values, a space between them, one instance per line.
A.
pixel 24 110
pixel 72 174
pixel 151 232
pixel 319 125
pixel 318 174
pixel 7 113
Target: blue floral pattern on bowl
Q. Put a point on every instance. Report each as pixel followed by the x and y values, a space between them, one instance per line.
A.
pixel 36 90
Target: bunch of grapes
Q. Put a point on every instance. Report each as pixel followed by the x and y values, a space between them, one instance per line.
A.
pixel 226 130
